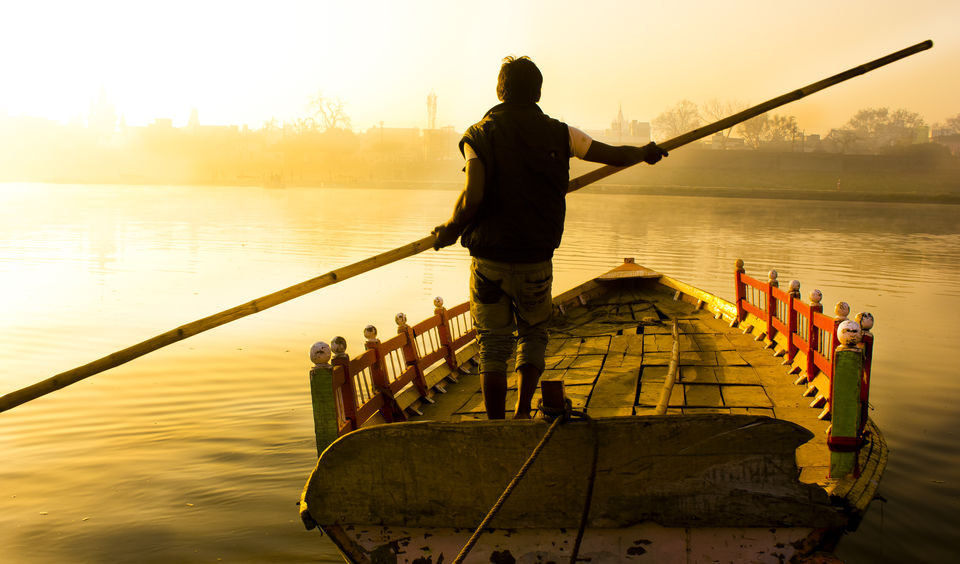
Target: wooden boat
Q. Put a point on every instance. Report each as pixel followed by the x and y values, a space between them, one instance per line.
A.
pixel 711 432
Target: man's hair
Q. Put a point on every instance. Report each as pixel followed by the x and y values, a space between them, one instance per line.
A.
pixel 519 81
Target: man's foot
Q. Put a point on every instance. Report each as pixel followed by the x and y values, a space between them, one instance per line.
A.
pixel 522 414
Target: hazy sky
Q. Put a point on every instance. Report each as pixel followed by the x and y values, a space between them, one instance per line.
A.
pixel 244 62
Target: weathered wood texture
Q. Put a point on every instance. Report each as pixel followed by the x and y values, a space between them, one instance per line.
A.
pixel 679 471
pixel 322 398
pixel 609 344
pixel 648 542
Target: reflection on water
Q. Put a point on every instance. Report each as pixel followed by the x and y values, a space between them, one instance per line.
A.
pixel 198 451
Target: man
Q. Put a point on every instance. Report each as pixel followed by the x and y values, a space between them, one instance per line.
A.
pixel 510 216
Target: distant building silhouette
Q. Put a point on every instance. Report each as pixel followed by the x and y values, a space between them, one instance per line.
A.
pixel 621 131
pixel 102 118
pixel 193 124
pixel 432 110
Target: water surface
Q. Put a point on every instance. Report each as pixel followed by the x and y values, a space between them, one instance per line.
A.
pixel 198 452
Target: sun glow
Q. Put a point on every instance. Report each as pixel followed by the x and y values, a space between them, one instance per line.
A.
pixel 245 62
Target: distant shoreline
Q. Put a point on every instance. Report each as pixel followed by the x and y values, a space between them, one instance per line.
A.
pixel 918 174
pixel 779 193
pixel 744 192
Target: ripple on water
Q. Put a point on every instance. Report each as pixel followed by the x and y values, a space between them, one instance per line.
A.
pixel 199 451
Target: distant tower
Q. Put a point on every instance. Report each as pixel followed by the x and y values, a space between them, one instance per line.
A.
pixel 620 121
pixel 432 110
pixel 102 118
pixel 193 124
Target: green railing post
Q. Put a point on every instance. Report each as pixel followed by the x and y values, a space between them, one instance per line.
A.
pixel 843 439
pixel 322 397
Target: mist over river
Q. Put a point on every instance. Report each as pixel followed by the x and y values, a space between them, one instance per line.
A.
pixel 198 452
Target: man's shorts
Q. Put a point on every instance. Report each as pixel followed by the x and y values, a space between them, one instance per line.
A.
pixel 511 303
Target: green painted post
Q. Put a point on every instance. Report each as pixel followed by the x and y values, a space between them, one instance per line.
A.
pixel 321 395
pixel 844 439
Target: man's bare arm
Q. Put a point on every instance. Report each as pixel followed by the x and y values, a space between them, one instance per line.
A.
pixel 466 207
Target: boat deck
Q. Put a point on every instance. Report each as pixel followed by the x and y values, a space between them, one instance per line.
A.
pixel 613 351
pixel 722 470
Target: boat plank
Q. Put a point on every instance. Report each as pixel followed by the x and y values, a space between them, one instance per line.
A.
pixel 672 309
pixel 620 411
pixel 575 376
pixel 658 329
pixel 652 410
pixel 737 375
pixel 616 361
pixel 650 394
pixel 695 326
pixel 587 360
pixel 712 342
pixel 814 474
pixel 702 395
pixel 687 358
pixel 657 342
pixel 698 375
pixel 563 347
pixel 702 410
pixel 652 374
pixel 732 358
pixel 812 452
pixel 744 396
pixel 626 343
pixel 615 387
pixel 594 345
pixel 759 357
pixel 656 358
pixel 764 411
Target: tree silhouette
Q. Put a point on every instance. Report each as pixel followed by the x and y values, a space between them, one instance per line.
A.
pixel 715 110
pixel 677 120
pixel 329 113
pixel 879 128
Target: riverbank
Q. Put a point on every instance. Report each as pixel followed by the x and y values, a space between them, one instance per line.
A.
pixel 920 174
pixel 782 194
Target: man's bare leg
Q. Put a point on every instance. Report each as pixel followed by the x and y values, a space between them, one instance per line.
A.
pixel 526 387
pixel 494 388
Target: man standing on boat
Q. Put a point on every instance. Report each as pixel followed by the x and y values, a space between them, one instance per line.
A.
pixel 510 216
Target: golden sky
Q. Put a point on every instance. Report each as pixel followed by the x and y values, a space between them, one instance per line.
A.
pixel 244 62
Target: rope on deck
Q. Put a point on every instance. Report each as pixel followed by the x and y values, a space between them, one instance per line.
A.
pixel 560 417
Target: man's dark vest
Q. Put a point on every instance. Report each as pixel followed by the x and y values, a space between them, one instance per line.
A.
pixel 526 161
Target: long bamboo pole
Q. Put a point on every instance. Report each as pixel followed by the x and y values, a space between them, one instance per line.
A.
pixel 115 359
pixel 123 356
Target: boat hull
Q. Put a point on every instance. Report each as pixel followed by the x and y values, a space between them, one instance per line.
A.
pixel 737 470
pixel 647 542
pixel 672 486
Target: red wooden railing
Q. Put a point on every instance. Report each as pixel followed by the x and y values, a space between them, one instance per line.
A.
pixel 826 342
pixel 807 329
pixel 373 381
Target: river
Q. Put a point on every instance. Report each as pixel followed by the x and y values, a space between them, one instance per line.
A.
pixel 198 452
